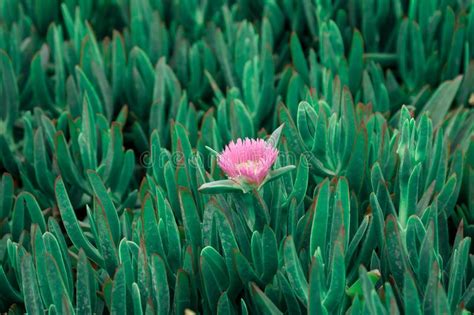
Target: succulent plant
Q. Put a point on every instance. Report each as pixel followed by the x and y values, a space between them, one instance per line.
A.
pixel 237 157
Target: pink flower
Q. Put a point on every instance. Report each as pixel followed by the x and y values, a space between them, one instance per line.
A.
pixel 247 160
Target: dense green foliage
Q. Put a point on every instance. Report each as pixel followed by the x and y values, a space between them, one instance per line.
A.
pixel 106 110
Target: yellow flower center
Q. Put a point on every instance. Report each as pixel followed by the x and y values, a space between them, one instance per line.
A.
pixel 248 165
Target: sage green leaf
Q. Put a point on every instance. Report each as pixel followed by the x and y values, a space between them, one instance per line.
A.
pixel 136 297
pixel 57 285
pixel 378 218
pixel 264 304
pixel 224 305
pixel 277 173
pixel 295 271
pixel 356 288
pixel 105 239
pixel 245 270
pixel 171 188
pixel 26 201
pixel 151 233
pixel 299 61
pixel 173 241
pixel 41 162
pixel 316 285
pixel 291 132
pixel 356 61
pixel 457 273
pixel 270 254
pixel 8 92
pixel 240 120
pixel 440 102
pixel 6 195
pixel 8 160
pixel 85 286
pixel 338 279
pixel 229 246
pixel 65 162
pixel 72 224
pixel 393 245
pixel 125 260
pixel 301 182
pixel 363 231
pixel 274 138
pixel 215 277
pixel 115 156
pixel 411 296
pixel 30 286
pixel 110 211
pixel 60 80
pixel 160 285
pixel 292 304
pixel 214 152
pixel 182 297
pixel 87 137
pixel 7 289
pixel 119 298
pixel 320 219
pixel 40 252
pixel 40 88
pixel 192 222
pixel 221 186
pixel 52 246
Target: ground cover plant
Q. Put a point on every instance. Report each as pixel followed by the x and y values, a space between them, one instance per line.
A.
pixel 237 157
